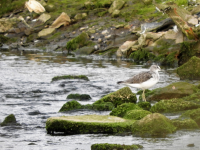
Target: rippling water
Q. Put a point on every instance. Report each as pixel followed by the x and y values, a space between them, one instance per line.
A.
pixel 26 91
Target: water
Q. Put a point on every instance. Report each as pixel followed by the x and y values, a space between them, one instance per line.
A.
pixel 26 91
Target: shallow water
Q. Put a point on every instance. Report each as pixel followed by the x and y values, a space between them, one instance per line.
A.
pixel 26 91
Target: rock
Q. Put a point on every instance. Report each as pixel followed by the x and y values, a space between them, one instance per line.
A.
pixel 50 8
pixel 64 77
pixel 87 124
pixel 71 105
pixel 78 42
pixel 122 51
pixel 44 17
pixel 193 114
pixel 115 13
pixel 174 90
pixel 9 120
pixel 173 105
pixel 153 124
pixel 85 50
pixel 117 4
pixel 63 19
pixel 144 105
pixel 106 146
pixel 80 16
pixel 119 97
pixel 184 124
pixel 34 6
pixel 80 97
pixel 7 24
pixel 136 114
pixel 122 109
pixel 46 32
pixel 190 70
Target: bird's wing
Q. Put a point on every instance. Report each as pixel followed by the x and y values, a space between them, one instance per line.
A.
pixel 139 78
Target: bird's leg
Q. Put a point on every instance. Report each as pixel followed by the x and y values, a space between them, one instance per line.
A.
pixel 143 96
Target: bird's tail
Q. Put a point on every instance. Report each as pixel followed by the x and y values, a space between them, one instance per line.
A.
pixel 119 82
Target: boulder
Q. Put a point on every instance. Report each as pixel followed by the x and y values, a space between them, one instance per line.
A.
pixel 85 124
pixel 106 146
pixel 46 32
pixel 174 90
pixel 119 97
pixel 153 124
pixel 190 70
pixel 184 124
pixel 44 17
pixel 63 19
pixel 136 114
pixel 9 120
pixel 122 109
pixel 117 4
pixel 173 105
pixel 124 48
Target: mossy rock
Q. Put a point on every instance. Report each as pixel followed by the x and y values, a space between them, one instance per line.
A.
pixel 71 105
pixel 119 97
pixel 153 125
pixel 144 105
pixel 74 105
pixel 83 77
pixel 9 120
pixel 106 146
pixel 193 98
pixel 184 124
pixel 80 97
pixel 3 39
pixel 173 105
pixel 122 109
pixel 193 114
pixel 78 42
pixel 190 70
pixel 88 124
pixel 174 90
pixel 136 114
pixel 142 55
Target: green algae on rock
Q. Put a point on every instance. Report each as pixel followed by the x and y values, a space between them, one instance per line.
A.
pixel 193 114
pixel 144 105
pixel 190 70
pixel 83 77
pixel 106 146
pixel 173 105
pixel 136 114
pixel 9 120
pixel 153 125
pixel 174 90
pixel 119 97
pixel 71 105
pixel 87 124
pixel 184 124
pixel 122 109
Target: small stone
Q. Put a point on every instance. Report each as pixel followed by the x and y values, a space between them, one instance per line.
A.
pixel 99 40
pixel 104 32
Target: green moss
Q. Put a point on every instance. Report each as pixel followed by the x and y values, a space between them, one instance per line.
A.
pixel 3 39
pixel 142 55
pixel 153 125
pixel 119 97
pixel 106 146
pixel 165 59
pixel 70 106
pixel 10 119
pixel 78 42
pixel 136 114
pixel 56 35
pixel 83 77
pixel 184 124
pixel 121 110
pixel 190 69
pixel 144 105
pixel 87 124
pixel 173 105
pixel 193 114
pixel 79 96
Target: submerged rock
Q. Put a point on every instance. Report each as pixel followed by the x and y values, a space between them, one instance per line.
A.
pixel 190 70
pixel 106 146
pixel 9 120
pixel 153 124
pixel 174 90
pixel 80 97
pixel 83 77
pixel 87 124
pixel 173 105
